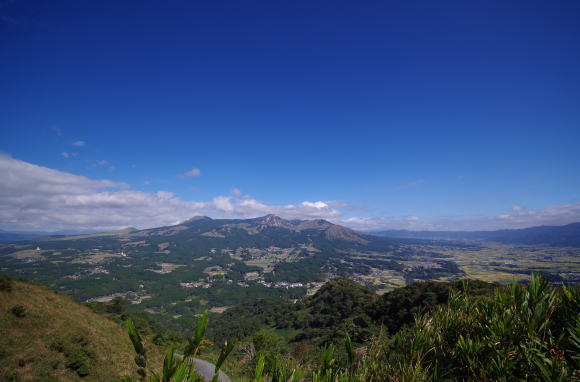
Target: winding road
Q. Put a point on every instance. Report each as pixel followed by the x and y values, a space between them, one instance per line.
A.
pixel 207 370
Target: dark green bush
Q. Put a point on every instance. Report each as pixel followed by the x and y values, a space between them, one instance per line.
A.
pixel 18 311
pixel 77 352
pixel 116 306
pixel 6 283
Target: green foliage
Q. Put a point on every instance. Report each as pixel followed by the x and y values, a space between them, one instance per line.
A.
pixel 224 353
pixel 269 346
pixel 522 333
pixel 399 307
pixel 513 333
pixel 245 319
pixel 141 357
pixel 519 333
pixel 340 308
pixel 169 364
pixel 18 311
pixel 266 340
pixel 194 343
pixel 174 370
pixel 282 370
pixel 6 283
pixel 116 305
pixel 349 350
pixel 77 352
pixel 259 372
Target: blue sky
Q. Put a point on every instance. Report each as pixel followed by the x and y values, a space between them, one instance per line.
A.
pixel 406 114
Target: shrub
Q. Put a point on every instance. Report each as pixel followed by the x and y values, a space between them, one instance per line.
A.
pixel 522 333
pixel 77 352
pixel 5 283
pixel 18 311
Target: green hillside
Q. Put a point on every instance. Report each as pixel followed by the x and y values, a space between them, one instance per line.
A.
pixel 45 336
pixel 340 307
pixel 517 333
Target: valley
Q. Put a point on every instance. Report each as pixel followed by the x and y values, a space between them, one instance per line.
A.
pixel 178 271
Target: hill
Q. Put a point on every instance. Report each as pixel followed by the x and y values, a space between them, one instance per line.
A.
pixel 556 236
pixel 340 307
pixel 266 230
pixel 45 336
pixel 10 236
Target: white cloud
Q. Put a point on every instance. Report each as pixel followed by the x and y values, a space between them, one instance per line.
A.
pixel 315 205
pixel 517 208
pixel 79 143
pixel 223 204
pixel 36 197
pixel 248 207
pixel 552 215
pixel 235 192
pixel 385 223
pixel 165 195
pixel 520 218
pixel 194 172
pixel 103 162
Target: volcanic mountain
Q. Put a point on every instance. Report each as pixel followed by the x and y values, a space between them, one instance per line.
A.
pixel 269 229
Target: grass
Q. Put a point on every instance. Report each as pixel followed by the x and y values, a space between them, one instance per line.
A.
pixel 60 340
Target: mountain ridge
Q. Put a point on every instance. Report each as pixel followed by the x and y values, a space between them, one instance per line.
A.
pixel 209 227
pixel 564 235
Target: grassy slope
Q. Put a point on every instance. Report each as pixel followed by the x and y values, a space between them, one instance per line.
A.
pixel 25 342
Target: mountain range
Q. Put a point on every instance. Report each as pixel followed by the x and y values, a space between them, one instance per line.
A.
pixel 557 236
pixel 269 226
pixel 560 236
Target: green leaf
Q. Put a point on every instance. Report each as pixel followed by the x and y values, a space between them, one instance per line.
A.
pixel 135 338
pixel 259 368
pixel 169 365
pixel 195 342
pixel 182 372
pixel 225 352
pixel 349 349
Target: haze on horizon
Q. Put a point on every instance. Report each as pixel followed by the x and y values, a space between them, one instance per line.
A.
pixel 376 115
